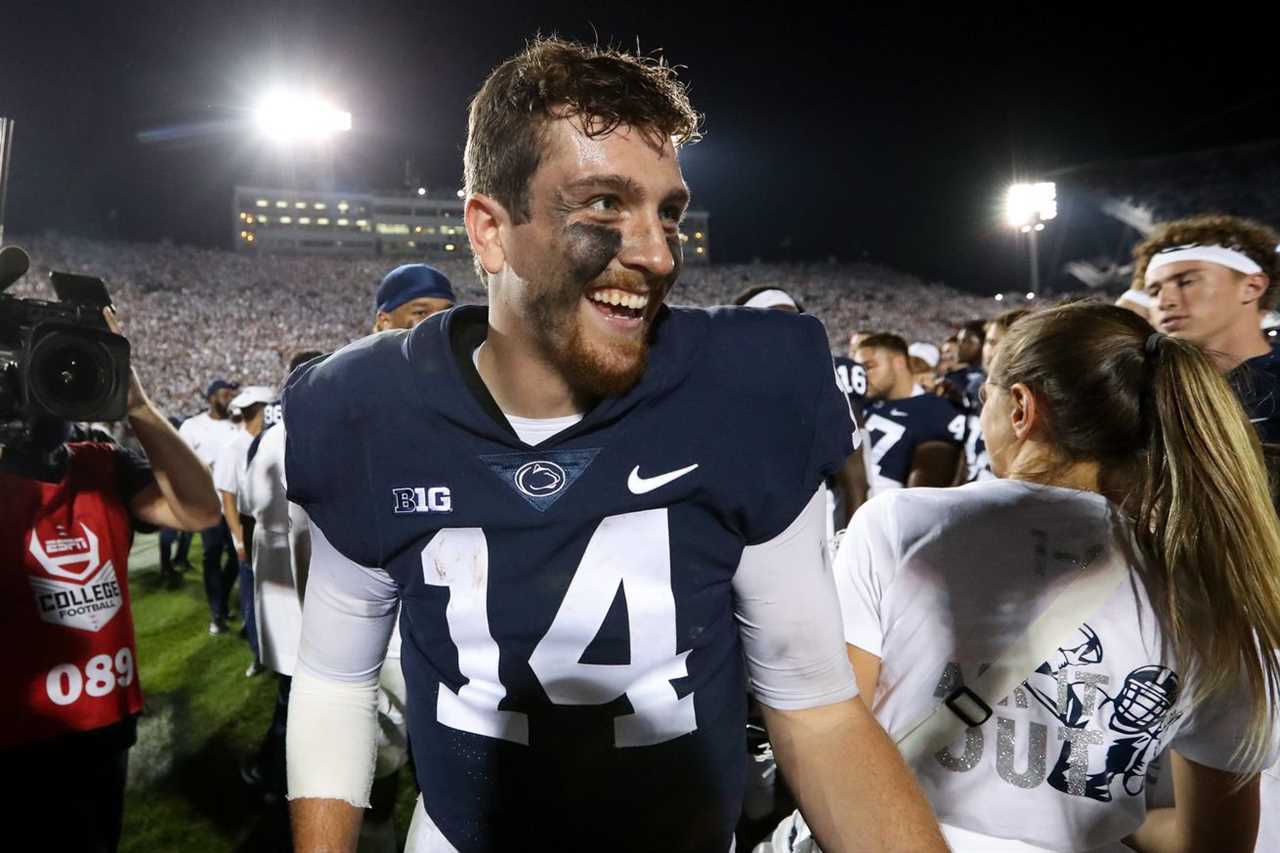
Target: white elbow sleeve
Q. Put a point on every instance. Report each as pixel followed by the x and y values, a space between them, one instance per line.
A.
pixel 331 740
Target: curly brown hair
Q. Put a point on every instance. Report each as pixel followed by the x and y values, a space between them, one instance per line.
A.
pixel 1253 239
pixel 552 78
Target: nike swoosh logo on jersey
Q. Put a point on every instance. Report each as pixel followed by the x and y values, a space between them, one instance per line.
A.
pixel 898 414
pixel 643 485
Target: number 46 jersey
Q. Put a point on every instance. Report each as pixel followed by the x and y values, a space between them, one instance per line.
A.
pixel 573 661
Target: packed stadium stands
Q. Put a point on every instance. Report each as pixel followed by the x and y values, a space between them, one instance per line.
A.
pixel 193 314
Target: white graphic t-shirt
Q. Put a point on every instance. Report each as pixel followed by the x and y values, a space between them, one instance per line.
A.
pixel 938 582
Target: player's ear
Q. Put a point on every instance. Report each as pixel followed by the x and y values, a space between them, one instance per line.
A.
pixel 1254 286
pixel 486 219
pixel 1025 413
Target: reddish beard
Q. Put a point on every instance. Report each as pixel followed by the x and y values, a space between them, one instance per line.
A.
pixel 594 370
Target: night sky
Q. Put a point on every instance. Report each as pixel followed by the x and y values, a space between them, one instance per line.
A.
pixel 885 135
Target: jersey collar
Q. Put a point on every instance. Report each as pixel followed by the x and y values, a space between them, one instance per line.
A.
pixel 440 351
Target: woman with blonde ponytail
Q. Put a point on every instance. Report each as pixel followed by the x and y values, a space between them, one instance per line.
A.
pixel 1112 443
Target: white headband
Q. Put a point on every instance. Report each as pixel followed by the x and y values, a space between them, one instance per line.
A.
pixel 770 298
pixel 1137 297
pixel 1220 255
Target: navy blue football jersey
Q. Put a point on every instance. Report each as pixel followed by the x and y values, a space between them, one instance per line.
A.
pixel 965 384
pixel 573 664
pixel 977 459
pixel 1257 384
pixel 898 427
pixel 852 379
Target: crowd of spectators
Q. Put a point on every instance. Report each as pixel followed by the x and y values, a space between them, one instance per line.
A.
pixel 193 313
pixel 1239 180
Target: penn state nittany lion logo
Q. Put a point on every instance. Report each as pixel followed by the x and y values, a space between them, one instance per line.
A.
pixel 540 479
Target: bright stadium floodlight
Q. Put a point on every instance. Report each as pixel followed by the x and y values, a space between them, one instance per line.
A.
pixel 287 117
pixel 1030 204
pixel 1028 207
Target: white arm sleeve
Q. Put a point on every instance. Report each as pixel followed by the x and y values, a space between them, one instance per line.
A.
pixel 346 620
pixel 785 604
pixel 299 548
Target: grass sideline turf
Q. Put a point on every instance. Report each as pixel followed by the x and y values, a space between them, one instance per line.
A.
pixel 203 718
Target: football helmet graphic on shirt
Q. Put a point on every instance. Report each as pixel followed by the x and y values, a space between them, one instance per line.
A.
pixel 1134 719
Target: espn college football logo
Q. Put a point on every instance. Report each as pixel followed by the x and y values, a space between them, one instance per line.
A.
pixel 78 591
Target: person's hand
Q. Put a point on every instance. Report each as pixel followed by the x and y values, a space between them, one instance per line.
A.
pixel 138 401
pixel 240 553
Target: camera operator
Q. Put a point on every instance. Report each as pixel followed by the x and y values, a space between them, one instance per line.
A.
pixel 71 683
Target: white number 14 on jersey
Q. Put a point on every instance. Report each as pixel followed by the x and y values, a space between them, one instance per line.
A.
pixel 631 550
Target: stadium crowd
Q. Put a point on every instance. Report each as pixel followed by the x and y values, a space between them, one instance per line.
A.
pixel 1051 621
pixel 202 313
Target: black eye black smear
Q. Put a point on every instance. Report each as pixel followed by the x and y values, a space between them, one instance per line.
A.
pixel 590 249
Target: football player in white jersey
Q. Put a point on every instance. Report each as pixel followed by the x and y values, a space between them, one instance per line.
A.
pixel 1122 454
pixel 229 479
pixel 278 580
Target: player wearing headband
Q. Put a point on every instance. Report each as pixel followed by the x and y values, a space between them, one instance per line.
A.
pixel 1210 279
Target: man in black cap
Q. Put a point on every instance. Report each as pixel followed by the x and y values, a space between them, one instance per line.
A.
pixel 207 434
pixel 410 294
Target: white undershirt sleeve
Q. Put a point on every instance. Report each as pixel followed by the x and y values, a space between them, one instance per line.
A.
pixel 347 617
pixel 787 612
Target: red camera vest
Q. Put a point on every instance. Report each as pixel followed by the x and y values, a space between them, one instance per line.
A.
pixel 67 628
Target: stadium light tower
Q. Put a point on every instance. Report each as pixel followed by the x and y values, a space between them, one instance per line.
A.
pixel 290 117
pixel 1028 207
pixel 301 127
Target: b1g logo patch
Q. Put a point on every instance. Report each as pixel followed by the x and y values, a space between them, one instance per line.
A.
pixel 422 499
pixel 78 591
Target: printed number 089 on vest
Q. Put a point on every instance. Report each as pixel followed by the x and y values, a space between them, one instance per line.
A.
pixel 65 683
pixel 631 549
